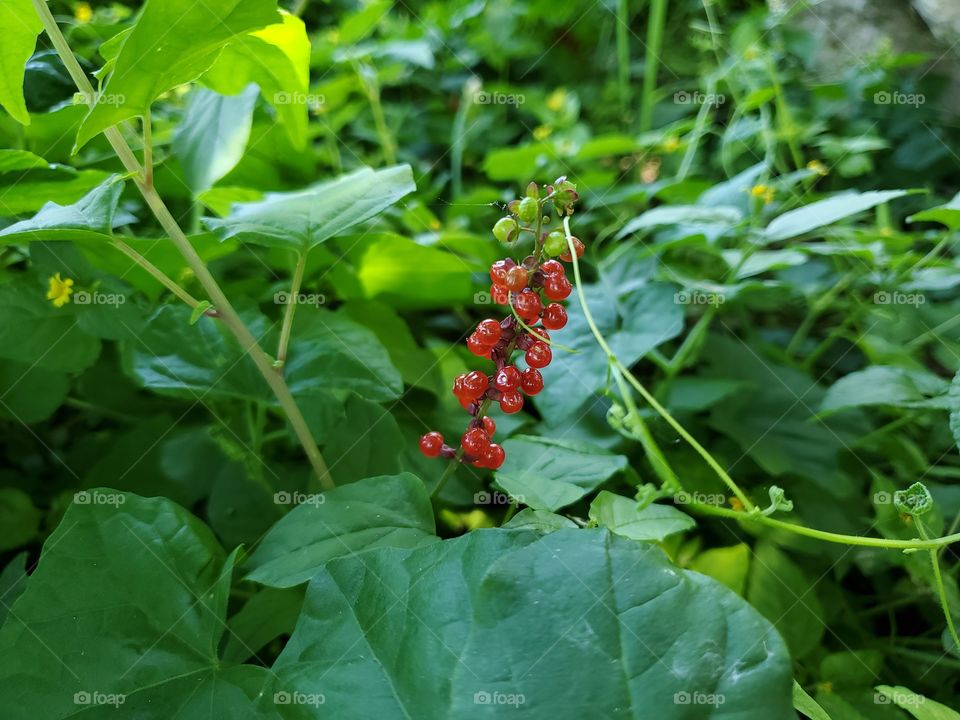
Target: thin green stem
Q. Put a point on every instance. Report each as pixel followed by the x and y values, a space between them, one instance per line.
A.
pixel 147 150
pixel 371 87
pixel 156 273
pixel 651 63
pixel 228 315
pixel 290 310
pixel 623 55
pixel 938 581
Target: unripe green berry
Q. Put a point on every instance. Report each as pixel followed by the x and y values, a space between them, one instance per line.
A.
pixel 555 243
pixel 529 210
pixel 505 230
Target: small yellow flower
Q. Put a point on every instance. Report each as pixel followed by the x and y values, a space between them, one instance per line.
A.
pixel 751 53
pixel 60 290
pixel 671 144
pixel 556 100
pixel 542 132
pixel 82 13
pixel 818 167
pixel 736 504
pixel 762 191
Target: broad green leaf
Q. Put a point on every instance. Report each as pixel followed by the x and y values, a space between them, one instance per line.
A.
pixel 152 638
pixel 530 519
pixel 30 191
pixel 500 637
pixel 885 385
pixel 270 613
pixel 826 212
pixel 728 565
pixel 806 704
pixel 303 219
pixel 781 591
pixel 277 59
pixel 852 669
pixel 29 393
pixel 624 516
pixel 13 581
pixel 367 443
pixel 921 707
pixel 173 42
pixel 19 519
pixel 213 134
pixel 20 26
pixel 548 474
pixel 13 160
pixel 682 215
pixel 948 214
pixel 388 511
pixel 90 219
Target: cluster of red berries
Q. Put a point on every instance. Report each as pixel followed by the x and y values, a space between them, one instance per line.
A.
pixel 532 288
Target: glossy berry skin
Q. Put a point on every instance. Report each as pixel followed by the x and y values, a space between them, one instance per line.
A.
pixel 505 230
pixel 475 442
pixel 552 267
pixel 475 384
pixel 494 456
pixel 498 271
pixel 531 381
pixel 578 246
pixel 539 355
pixel 517 278
pixel 508 379
pixel 489 425
pixel 528 305
pixel 499 294
pixel 528 210
pixel 554 316
pixel 488 332
pixel 555 243
pixel 431 444
pixel 557 287
pixel 511 402
pixel 477 347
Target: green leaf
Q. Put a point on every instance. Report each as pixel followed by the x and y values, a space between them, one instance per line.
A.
pixel 277 59
pixel 173 43
pixel 90 219
pixel 548 474
pixel 267 615
pixel 367 443
pixel 883 385
pixel 624 516
pixel 530 519
pixel 388 511
pixel 916 500
pixel 494 636
pixel 728 565
pixel 806 704
pixel 12 160
pixel 948 214
pixel 304 219
pixel 826 212
pixel 19 519
pixel 30 191
pixel 20 26
pixel 29 393
pixel 13 581
pixel 696 215
pixel 920 706
pixel 954 403
pixel 213 134
pixel 152 638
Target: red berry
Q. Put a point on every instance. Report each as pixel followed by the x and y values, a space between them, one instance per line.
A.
pixel 540 334
pixel 498 271
pixel 554 316
pixel 500 295
pixel 511 402
pixel 552 267
pixel 539 355
pixel 431 444
pixel 489 425
pixel 578 246
pixel 494 456
pixel 477 347
pixel 557 287
pixel 528 305
pixel 488 331
pixel 466 402
pixel 517 278
pixel 508 379
pixel 475 442
pixel 531 381
pixel 475 383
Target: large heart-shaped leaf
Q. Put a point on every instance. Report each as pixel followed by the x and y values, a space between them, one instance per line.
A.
pixel 387 511
pixel 302 220
pixel 502 620
pixel 19 27
pixel 173 42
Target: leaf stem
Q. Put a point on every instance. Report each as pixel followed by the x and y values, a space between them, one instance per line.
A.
pixel 290 310
pixel 231 319
pixel 156 272
pixel 938 581
pixel 651 63
pixel 147 150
